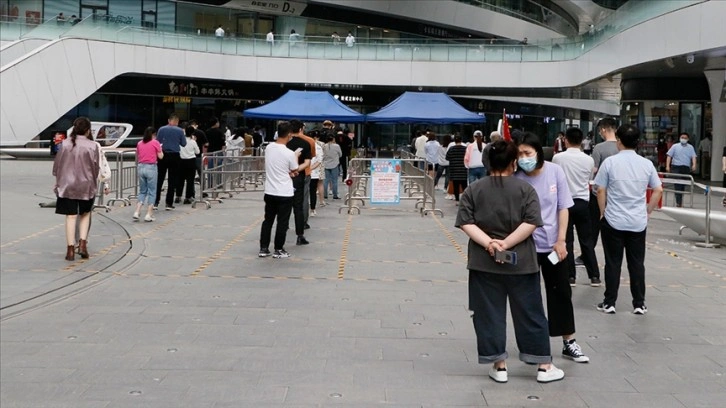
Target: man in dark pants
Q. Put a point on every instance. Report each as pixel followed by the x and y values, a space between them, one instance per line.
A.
pixel 606 127
pixel 346 146
pixel 578 169
pixel 622 182
pixel 280 167
pixel 298 182
pixel 681 160
pixel 172 138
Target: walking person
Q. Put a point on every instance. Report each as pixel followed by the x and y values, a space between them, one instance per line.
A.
pixel 500 213
pixel 578 168
pixel 317 172
pixel 622 183
pixel 171 138
pixel 681 160
pixel 458 176
pixel 76 169
pixel 148 153
pixel 297 143
pixel 432 154
pixel 188 166
pixel 443 168
pixel 298 132
pixel 473 159
pixel 550 183
pixel 609 147
pixel 704 149
pixel 331 162
pixel 281 165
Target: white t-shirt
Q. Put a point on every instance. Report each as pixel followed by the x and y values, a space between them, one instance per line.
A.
pixel 279 162
pixel 190 151
pixel 270 37
pixel 219 32
pixel 578 169
pixel 349 40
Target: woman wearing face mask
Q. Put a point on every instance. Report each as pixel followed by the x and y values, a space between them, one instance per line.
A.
pixel 549 181
pixel 500 213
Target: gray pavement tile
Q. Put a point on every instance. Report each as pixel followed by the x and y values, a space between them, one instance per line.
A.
pixel 334 394
pixel 598 399
pixel 701 399
pixel 134 393
pixel 277 364
pixel 35 375
pixel 184 378
pixel 116 377
pixel 140 403
pixel 510 394
pixel 36 392
pixel 231 391
pixel 411 395
pixel 54 404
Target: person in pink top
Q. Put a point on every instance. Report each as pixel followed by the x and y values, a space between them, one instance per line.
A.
pixel 148 152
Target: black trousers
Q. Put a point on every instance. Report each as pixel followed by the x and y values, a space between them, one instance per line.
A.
pixel 188 172
pixel 297 204
pixel 171 163
pixel 614 242
pixel 594 219
pixel 458 184
pixel 580 218
pixel 560 313
pixel 344 167
pixel 280 208
pixel 313 193
pixel 680 187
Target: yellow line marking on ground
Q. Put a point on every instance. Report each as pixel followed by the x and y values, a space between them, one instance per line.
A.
pixel 226 248
pixel 451 238
pixel 344 249
pixel 33 235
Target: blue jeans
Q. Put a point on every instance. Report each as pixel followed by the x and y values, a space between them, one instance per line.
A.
pixel 331 177
pixel 476 173
pixel 148 177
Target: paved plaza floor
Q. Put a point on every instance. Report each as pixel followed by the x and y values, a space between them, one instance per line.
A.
pixel 182 313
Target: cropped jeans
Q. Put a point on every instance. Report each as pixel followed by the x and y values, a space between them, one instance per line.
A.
pixel 148 177
pixel 331 178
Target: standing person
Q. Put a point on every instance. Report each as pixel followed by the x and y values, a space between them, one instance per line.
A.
pixel 493 137
pixel 270 38
pixel 346 147
pixel 201 138
pixel 171 138
pixel 681 160
pixel 335 37
pixel 704 149
pixel 350 40
pixel 622 182
pixel 281 165
pixel 549 181
pixel 432 154
pixel 458 176
pixel 500 213
pixel 148 153
pixel 473 159
pixel 586 143
pixel 219 32
pixel 294 37
pixel 723 168
pixel 188 155
pixel 216 143
pixel 298 132
pixel 76 168
pixel 331 161
pixel 606 127
pixel 559 143
pixel 578 168
pixel 319 140
pixel 316 173
pixel 443 169
pixel 297 143
pixel 420 145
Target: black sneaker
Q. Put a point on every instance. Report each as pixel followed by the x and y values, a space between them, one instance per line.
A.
pixel 301 240
pixel 177 200
pixel 605 308
pixel 572 351
pixel 280 253
pixel 169 207
pixel 264 253
pixel 307 226
pixel 579 261
pixel 336 198
pixel 573 282
pixel 187 201
pixel 595 282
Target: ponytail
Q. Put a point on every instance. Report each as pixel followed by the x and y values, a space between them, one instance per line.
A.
pixel 81 126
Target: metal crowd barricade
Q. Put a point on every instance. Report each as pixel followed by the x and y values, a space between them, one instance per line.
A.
pixel 124 178
pixel 708 217
pixel 671 180
pixel 416 185
pixel 227 172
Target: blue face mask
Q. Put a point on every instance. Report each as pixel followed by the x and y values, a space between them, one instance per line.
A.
pixel 527 163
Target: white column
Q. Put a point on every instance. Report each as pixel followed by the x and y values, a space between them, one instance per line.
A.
pixel 717 82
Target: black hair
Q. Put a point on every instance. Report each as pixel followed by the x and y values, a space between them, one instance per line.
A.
pixel 501 155
pixel 628 135
pixel 684 133
pixel 81 126
pixel 283 129
pixel 607 123
pixel 446 141
pixel 189 131
pixel 149 133
pixel 532 140
pixel 213 120
pixel 457 139
pixel 574 136
pixel 173 116
pixel 296 126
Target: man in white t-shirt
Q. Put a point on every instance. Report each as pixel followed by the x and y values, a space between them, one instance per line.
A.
pixel 270 38
pixel 219 32
pixel 280 167
pixel 420 145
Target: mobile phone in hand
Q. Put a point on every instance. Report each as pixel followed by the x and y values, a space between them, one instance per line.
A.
pixel 509 257
pixel 554 258
pixel 298 150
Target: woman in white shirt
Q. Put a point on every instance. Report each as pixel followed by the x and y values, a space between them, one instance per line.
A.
pixel 188 155
pixel 432 154
pixel 316 175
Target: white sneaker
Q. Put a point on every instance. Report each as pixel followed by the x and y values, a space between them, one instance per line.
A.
pixel 498 374
pixel 553 374
pixel 135 216
pixel 149 218
pixel 313 213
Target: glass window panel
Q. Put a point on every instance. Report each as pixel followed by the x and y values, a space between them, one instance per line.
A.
pixel 125 8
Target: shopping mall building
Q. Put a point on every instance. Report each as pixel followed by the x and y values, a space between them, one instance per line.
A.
pixel 551 64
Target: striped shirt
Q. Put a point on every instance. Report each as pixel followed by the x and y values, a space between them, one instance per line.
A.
pixel 455 156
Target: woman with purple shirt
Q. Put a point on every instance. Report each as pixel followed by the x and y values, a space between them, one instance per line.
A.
pixel 549 181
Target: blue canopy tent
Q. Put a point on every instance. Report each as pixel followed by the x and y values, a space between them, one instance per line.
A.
pixel 306 106
pixel 424 107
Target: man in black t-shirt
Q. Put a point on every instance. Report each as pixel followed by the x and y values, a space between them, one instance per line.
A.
pixel 201 138
pixel 346 146
pixel 298 183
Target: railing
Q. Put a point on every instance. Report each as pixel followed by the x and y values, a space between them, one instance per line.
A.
pixel 676 183
pixel 534 13
pixel 225 173
pixel 187 38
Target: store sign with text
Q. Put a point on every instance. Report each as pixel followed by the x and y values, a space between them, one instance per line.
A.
pixel 292 8
pixel 191 88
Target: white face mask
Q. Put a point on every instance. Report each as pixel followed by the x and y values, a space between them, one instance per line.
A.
pixel 684 141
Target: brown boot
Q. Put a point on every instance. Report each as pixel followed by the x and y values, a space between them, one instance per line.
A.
pixel 82 248
pixel 70 253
